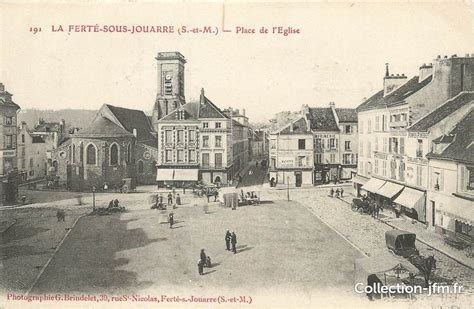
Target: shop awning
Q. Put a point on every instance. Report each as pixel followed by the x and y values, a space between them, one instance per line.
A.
pixel 360 180
pixel 185 174
pixel 462 211
pixel 165 174
pixel 373 185
pixel 389 189
pixel 409 197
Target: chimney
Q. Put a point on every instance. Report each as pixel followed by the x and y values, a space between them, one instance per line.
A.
pixel 426 70
pixel 2 87
pixel 332 104
pixel 392 82
pixel 243 112
pixel 201 98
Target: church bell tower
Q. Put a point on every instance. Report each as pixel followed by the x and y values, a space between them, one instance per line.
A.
pixel 170 94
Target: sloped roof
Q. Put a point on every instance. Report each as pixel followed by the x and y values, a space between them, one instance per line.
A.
pixel 462 147
pixel 207 109
pixel 346 114
pixel 322 118
pixel 397 96
pixel 191 110
pixel 6 99
pixel 299 127
pixel 443 111
pixel 444 139
pixel 103 127
pixel 133 119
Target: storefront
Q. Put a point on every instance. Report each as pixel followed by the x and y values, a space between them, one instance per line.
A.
pixel 412 203
pixel 176 177
pixel 357 183
pixel 371 186
pixel 387 193
pixel 456 220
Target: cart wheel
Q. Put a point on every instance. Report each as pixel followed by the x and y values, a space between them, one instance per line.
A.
pixel 125 189
pixel 468 251
pixel 360 210
pixel 353 207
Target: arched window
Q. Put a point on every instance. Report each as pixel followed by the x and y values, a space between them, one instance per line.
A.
pixel 140 167
pixel 91 154
pixel 114 154
pixel 129 153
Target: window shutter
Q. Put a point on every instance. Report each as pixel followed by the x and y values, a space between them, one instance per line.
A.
pixel 390 145
pixel 441 181
pixel 402 145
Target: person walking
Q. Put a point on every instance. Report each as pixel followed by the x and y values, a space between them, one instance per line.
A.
pixel 178 199
pixel 342 192
pixel 170 198
pixel 203 257
pixel 171 219
pixel 200 267
pixel 331 192
pixel 228 236
pixel 256 164
pixel 233 240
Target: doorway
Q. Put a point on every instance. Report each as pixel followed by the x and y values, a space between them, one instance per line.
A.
pixel 298 179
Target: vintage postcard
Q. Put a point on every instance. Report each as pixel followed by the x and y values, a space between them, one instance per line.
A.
pixel 236 154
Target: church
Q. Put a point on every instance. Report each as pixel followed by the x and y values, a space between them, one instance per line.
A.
pixel 126 144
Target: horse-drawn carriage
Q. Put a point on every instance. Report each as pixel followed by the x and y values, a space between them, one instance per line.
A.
pixel 401 243
pixel 251 196
pixel 361 205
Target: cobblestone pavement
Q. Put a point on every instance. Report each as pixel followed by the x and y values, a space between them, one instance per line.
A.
pixel 28 244
pixel 282 249
pixel 367 233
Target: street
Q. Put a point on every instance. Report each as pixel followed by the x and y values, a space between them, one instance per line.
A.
pixel 280 246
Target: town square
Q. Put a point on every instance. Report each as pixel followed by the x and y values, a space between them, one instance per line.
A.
pixel 314 158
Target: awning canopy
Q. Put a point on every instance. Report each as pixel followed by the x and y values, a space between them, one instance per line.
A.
pixel 409 197
pixel 165 174
pixel 389 189
pixel 462 211
pixel 185 174
pixel 360 180
pixel 373 185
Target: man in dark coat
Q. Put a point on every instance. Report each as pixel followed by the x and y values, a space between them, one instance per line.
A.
pixel 200 267
pixel 228 236
pixel 233 240
pixel 203 257
pixel 171 219
pixel 170 198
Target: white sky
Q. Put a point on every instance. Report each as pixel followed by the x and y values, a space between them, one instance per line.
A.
pixel 339 56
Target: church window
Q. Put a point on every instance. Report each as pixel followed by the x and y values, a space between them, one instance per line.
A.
pixel 129 153
pixel 91 154
pixel 114 154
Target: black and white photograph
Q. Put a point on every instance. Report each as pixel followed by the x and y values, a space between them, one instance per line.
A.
pixel 268 154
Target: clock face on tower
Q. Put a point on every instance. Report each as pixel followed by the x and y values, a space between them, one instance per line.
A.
pixel 168 77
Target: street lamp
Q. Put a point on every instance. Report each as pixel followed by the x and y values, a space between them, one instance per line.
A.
pixel 93 198
pixel 288 188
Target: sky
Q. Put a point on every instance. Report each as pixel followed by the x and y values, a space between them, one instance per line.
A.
pixel 339 54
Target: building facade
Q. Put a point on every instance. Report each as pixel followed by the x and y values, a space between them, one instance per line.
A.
pixel 8 148
pixel 32 154
pixel 291 154
pixel 392 159
pixel 199 142
pixel 450 200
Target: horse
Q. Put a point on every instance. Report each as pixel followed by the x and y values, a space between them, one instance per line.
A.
pixel 425 265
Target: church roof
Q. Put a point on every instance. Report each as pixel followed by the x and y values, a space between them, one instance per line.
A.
pixel 133 119
pixel 103 127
